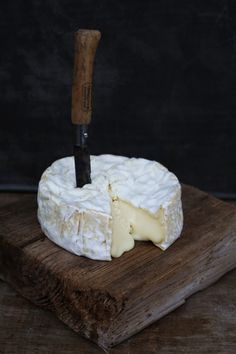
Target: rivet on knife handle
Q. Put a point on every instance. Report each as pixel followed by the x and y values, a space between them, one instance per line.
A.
pixel 86 42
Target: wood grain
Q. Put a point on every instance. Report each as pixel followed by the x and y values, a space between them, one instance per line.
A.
pixel 206 323
pixel 108 302
pixel 86 42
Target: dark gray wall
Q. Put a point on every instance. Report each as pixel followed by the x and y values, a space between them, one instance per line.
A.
pixel 164 86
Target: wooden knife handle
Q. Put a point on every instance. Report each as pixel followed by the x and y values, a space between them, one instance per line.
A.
pixel 86 42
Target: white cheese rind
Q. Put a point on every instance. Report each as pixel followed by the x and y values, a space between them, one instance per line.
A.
pixel 75 219
pixel 80 219
pixel 173 219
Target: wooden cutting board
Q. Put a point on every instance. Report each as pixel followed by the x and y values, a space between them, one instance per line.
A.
pixel 108 302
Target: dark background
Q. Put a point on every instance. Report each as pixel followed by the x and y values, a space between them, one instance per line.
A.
pixel 164 86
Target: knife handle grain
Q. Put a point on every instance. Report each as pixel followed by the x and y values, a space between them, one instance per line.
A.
pixel 86 43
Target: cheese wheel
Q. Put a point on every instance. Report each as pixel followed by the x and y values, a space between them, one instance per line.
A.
pixel 129 199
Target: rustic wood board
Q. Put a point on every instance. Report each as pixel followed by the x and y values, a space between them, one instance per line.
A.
pixel 206 323
pixel 109 301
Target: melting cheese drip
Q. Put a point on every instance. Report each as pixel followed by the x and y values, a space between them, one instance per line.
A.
pixel 130 223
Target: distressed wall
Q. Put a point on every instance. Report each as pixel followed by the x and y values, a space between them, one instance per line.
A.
pixel 164 86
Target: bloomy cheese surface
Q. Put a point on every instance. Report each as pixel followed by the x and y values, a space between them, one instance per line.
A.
pixel 129 199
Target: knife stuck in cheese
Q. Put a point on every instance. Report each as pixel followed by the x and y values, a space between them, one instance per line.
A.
pixel 129 199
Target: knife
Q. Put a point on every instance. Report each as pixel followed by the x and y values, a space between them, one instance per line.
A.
pixel 86 42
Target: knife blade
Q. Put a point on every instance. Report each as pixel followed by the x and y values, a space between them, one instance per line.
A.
pixel 86 43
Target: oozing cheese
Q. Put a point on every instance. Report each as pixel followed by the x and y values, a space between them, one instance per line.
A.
pixel 130 223
pixel 128 200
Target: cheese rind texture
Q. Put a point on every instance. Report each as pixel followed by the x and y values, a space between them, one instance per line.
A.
pixel 129 199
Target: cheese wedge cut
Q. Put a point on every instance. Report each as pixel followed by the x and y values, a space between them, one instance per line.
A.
pixel 129 199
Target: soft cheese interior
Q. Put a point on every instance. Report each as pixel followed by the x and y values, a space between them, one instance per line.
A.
pixel 130 223
pixel 128 200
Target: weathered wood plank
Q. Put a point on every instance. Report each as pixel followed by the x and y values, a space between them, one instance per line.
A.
pixel 206 323
pixel 109 301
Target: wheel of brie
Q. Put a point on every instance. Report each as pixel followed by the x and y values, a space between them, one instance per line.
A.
pixel 129 199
